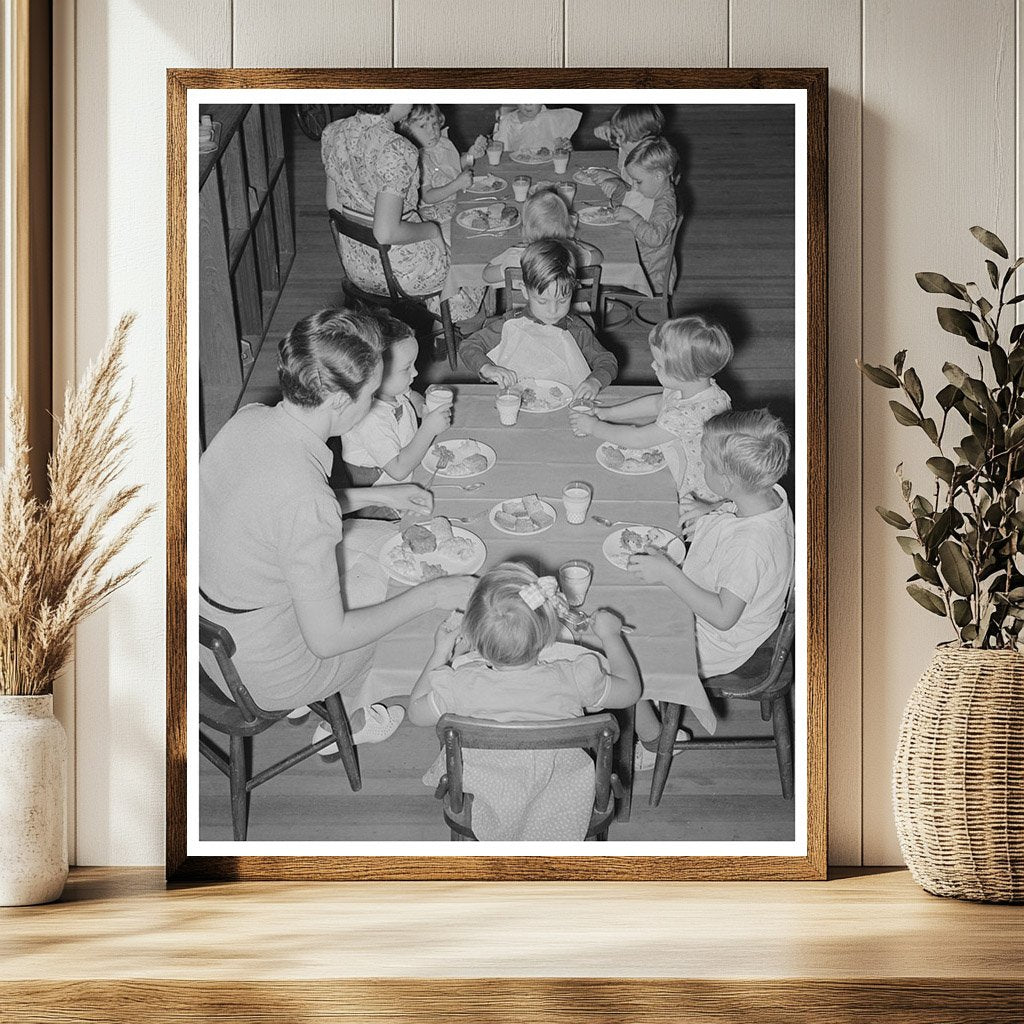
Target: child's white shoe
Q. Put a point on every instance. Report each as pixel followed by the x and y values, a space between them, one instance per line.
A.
pixel 381 722
pixel 644 759
pixel 298 714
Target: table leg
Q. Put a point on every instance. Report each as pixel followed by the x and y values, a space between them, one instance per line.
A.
pixel 622 761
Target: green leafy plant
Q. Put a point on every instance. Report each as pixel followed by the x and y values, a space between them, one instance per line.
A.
pixel 966 537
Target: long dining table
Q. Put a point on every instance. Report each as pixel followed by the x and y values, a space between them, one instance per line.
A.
pixel 540 455
pixel 472 250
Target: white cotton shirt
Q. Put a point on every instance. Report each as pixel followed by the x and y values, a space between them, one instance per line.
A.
pixel 752 557
pixel 380 436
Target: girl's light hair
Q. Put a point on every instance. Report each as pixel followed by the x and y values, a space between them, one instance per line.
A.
pixel 656 154
pixel 637 120
pixel 500 625
pixel 751 446
pixel 546 216
pixel 421 110
pixel 692 347
pixel 327 352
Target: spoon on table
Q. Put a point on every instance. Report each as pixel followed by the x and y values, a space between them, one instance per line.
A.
pixel 618 522
pixel 460 487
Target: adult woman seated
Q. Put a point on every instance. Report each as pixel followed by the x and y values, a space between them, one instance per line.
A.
pixel 303 602
pixel 373 175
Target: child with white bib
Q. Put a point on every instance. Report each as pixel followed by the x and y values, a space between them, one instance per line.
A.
pixel 546 340
pixel 531 127
pixel 648 204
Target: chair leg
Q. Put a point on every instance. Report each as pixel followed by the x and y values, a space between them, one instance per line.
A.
pixel 240 767
pixel 449 334
pixel 766 709
pixel 670 716
pixel 783 743
pixel 343 737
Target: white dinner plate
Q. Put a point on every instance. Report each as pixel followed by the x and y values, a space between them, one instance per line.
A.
pixel 515 533
pixel 461 448
pixel 546 400
pixel 533 156
pixel 467 218
pixel 484 184
pixel 597 216
pixel 613 550
pixel 591 175
pixel 405 567
pixel 638 461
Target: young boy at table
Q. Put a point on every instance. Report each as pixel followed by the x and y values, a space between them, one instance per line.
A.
pixel 546 340
pixel 647 205
pixel 738 568
pixel 389 442
pixel 532 126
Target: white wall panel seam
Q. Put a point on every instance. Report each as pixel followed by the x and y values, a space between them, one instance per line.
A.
pixel 860 429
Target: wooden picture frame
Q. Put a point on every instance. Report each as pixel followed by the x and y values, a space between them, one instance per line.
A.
pixel 811 86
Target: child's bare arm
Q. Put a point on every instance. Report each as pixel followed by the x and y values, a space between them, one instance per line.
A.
pixel 412 454
pixel 623 688
pixel 637 410
pixel 627 434
pixel 721 609
pixel 421 708
pixel 442 192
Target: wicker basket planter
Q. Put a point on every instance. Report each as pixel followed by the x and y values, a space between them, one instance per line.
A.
pixel 958 776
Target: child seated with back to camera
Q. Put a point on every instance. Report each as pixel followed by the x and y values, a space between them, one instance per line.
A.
pixel 443 171
pixel 546 340
pixel 511 673
pixel 738 568
pixel 389 442
pixel 533 127
pixel 647 204
pixel 685 354
pixel 545 215
pixel 627 126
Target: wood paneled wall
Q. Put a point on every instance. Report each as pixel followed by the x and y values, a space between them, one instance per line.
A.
pixel 924 129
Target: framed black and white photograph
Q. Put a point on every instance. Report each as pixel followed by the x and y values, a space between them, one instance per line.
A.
pixel 496 474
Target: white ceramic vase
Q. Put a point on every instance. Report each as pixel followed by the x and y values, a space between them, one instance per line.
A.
pixel 33 804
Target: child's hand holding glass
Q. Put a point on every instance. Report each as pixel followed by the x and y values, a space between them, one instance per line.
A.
pixel 437 421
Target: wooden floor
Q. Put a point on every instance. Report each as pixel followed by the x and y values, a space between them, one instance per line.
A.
pixel 712 795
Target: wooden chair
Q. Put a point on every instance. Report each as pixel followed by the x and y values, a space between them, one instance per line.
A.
pixel 596 733
pixel 662 292
pixel 767 676
pixel 240 719
pixel 587 294
pixel 397 300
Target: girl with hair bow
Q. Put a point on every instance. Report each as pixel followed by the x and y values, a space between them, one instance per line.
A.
pixel 511 670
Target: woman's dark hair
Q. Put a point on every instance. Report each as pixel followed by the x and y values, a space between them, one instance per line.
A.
pixel 327 352
pixel 373 108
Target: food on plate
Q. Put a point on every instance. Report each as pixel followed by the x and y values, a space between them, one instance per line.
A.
pixel 613 457
pixel 402 564
pixel 541 520
pixel 533 396
pixel 591 175
pixel 497 215
pixel 532 504
pixel 431 571
pixel 523 515
pixel 419 540
pixel 441 528
pixel 459 548
pixel 633 466
pixel 655 457
pixel 543 151
pixel 443 454
pixel 463 458
pixel 475 463
pixel 514 507
pixel 505 520
pixel 632 541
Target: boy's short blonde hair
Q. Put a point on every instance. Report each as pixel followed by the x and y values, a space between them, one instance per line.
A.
pixel 545 215
pixel 419 111
pixel 655 153
pixel 635 121
pixel 549 261
pixel 751 446
pixel 692 346
pixel 500 625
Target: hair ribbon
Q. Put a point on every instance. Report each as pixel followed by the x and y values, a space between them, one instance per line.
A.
pixel 538 594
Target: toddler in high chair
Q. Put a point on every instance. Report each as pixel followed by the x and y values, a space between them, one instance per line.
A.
pixel 627 126
pixel 738 568
pixel 546 340
pixel 647 205
pixel 443 171
pixel 545 215
pixel 685 354
pixel 534 127
pixel 389 442
pixel 514 672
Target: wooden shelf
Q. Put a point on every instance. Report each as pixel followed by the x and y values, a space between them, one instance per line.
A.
pixel 864 946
